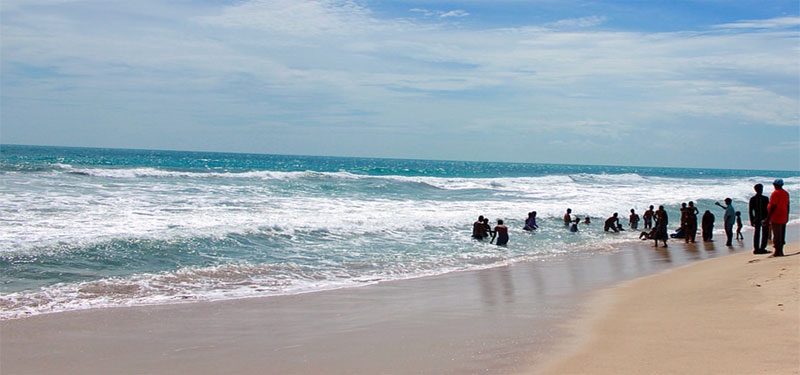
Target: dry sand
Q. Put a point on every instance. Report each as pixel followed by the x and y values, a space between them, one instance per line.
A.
pixel 732 315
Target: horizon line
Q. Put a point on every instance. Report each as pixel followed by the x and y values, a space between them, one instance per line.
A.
pixel 393 158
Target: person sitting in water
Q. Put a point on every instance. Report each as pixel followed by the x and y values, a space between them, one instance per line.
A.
pixel 574 227
pixel 530 222
pixel 679 233
pixel 648 235
pixel 612 223
pixel 501 232
pixel 587 221
pixel 478 230
pixel 620 228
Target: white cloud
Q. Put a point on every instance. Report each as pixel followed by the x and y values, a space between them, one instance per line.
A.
pixel 458 13
pixel 573 23
pixel 303 17
pixel 318 62
pixel 454 13
pixel 773 23
pixel 424 12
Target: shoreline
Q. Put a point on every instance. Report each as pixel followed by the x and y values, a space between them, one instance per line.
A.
pixel 736 314
pixel 498 321
pixel 621 246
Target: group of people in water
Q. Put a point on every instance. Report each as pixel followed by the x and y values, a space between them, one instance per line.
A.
pixel 766 215
pixel 482 230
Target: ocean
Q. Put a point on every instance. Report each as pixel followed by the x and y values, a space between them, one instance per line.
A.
pixel 91 228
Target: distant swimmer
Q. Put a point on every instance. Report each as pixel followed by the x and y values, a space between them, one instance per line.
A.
pixel 530 222
pixel 587 220
pixel 634 219
pixel 612 223
pixel 501 232
pixel 478 230
pixel 574 227
pixel 567 217
pixel 648 218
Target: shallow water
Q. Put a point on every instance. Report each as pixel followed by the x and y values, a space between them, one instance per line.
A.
pixel 83 228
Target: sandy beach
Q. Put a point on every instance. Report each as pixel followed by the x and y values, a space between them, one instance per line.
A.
pixel 720 314
pixel 733 315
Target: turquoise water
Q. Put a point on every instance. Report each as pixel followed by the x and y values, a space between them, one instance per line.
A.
pixel 83 228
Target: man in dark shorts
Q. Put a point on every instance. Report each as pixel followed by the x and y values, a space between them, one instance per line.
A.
pixel 728 219
pixel 501 231
pixel 648 218
pixel 778 216
pixel 661 226
pixel 758 208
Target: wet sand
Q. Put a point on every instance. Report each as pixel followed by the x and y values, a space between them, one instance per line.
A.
pixel 734 315
pixel 497 321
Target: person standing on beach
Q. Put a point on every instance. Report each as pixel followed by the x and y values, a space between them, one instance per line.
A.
pixel 634 220
pixel 501 232
pixel 758 209
pixel 708 226
pixel 567 218
pixel 661 226
pixel 648 218
pixel 778 216
pixel 691 222
pixel 684 212
pixel 728 219
pixel 739 235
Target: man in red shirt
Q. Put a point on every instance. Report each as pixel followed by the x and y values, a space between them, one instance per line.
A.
pixel 778 216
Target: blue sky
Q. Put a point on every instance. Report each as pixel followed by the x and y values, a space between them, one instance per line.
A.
pixel 700 83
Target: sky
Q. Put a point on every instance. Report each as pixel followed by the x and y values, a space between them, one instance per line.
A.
pixel 686 83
